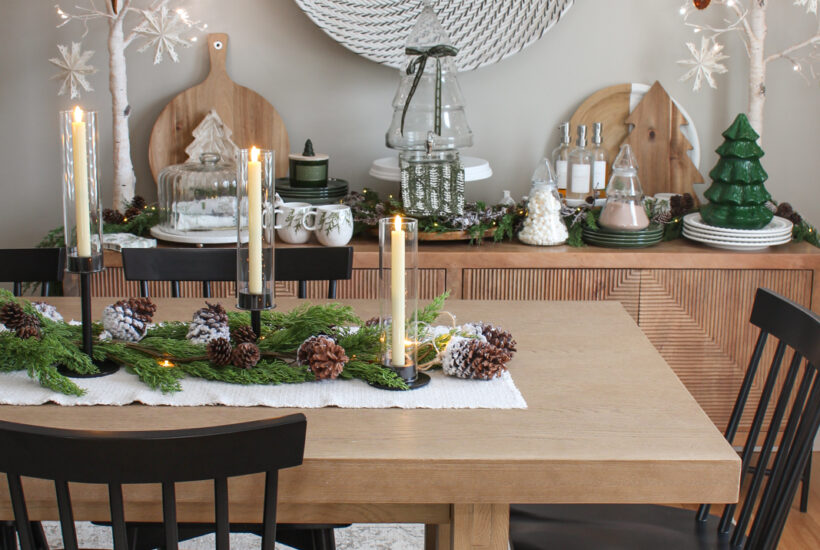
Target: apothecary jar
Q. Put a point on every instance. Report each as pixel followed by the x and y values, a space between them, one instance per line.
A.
pixel 198 196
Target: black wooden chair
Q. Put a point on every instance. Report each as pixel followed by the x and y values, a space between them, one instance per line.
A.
pixel 219 264
pixel 166 457
pixel 760 519
pixel 32 265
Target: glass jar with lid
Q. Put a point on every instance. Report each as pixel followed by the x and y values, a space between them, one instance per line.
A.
pixel 624 209
pixel 198 196
pixel 543 225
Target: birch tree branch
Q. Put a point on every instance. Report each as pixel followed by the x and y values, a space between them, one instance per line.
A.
pixel 785 53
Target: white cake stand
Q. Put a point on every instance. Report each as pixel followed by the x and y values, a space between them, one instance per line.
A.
pixel 387 169
pixel 226 236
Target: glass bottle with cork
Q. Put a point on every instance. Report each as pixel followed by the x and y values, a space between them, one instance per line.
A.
pixel 599 162
pixel 579 170
pixel 560 157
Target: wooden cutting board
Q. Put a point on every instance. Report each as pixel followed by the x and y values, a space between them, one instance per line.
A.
pixel 252 119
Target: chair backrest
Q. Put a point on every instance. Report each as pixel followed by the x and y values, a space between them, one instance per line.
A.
pixel 117 458
pixel 32 265
pixel 769 501
pixel 219 264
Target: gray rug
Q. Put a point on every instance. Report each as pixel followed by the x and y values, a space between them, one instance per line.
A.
pixel 361 536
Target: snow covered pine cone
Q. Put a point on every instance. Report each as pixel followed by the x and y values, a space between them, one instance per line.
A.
pixel 48 311
pixel 473 358
pixel 128 319
pixel 496 336
pixel 324 357
pixel 219 352
pixel 246 355
pixel 209 323
pixel 243 334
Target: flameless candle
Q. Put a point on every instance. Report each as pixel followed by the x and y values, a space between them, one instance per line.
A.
pixel 255 222
pixel 78 136
pixel 397 291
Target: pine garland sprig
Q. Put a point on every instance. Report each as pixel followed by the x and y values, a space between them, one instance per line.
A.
pixel 429 313
pixel 372 373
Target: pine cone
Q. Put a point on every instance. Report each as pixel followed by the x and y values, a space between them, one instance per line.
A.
pixel 499 338
pixel 374 321
pixel 30 327
pixel 472 358
pixel 219 352
pixel 784 210
pixel 662 218
pixel 132 213
pixel 795 218
pixel 245 355
pixel 243 334
pixel 12 315
pixel 114 217
pixel 676 208
pixel 208 324
pixel 138 202
pixel 128 319
pixel 688 202
pixel 323 356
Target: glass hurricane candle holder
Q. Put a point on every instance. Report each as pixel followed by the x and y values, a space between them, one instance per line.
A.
pixel 398 298
pixel 81 192
pixel 254 258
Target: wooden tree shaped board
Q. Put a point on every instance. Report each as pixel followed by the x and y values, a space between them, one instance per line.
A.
pixel 660 147
pixel 253 120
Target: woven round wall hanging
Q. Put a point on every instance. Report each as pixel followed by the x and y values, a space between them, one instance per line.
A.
pixel 484 31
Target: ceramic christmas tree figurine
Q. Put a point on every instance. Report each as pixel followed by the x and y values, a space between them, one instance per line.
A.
pixel 737 197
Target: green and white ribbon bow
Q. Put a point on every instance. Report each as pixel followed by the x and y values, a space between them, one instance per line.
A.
pixel 416 66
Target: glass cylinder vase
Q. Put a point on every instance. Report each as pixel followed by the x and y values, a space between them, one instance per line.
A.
pixel 432 183
pixel 398 295
pixel 254 258
pixel 82 221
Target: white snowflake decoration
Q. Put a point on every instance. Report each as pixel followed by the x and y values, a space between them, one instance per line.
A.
pixel 811 5
pixel 162 28
pixel 704 62
pixel 74 69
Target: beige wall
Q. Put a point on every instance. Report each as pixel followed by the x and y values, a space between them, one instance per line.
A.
pixel 342 101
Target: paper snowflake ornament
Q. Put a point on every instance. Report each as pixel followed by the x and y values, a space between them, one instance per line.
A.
pixel 162 28
pixel 74 69
pixel 811 5
pixel 705 61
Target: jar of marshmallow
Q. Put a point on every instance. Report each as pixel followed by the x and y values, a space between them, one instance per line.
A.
pixel 543 225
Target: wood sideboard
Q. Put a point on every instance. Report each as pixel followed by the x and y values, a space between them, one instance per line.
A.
pixel 692 302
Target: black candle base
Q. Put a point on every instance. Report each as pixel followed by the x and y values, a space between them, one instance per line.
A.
pixel 421 380
pixel 105 367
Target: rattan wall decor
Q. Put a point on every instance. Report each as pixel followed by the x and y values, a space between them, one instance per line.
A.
pixel 484 31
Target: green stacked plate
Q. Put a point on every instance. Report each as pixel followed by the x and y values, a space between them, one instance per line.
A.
pixel 611 238
pixel 334 192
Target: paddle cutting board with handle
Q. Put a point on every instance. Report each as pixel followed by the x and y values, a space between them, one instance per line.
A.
pixel 253 121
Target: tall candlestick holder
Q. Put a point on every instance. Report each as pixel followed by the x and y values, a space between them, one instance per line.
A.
pixel 82 222
pixel 398 299
pixel 254 258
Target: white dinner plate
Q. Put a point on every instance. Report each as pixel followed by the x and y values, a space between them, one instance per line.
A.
pixel 733 238
pixel 777 226
pixel 728 245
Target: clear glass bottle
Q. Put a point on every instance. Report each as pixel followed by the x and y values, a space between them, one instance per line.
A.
pixel 579 170
pixel 624 209
pixel 599 162
pixel 560 157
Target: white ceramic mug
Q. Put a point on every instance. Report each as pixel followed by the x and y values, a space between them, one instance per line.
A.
pixel 332 224
pixel 289 226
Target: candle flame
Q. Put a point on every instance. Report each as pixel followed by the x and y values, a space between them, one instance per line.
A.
pixel 78 114
pixel 397 223
pixel 254 154
pixel 166 363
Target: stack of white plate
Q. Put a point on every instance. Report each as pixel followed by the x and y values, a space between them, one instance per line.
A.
pixel 778 231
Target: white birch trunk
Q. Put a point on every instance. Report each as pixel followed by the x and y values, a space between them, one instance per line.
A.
pixel 757 64
pixel 124 178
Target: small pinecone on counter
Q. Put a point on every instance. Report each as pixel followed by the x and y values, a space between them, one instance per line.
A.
pixel 499 338
pixel 128 319
pixel 324 357
pixel 374 321
pixel 245 355
pixel 785 210
pixel 662 217
pixel 243 334
pixel 209 323
pixel 219 352
pixel 688 202
pixel 30 327
pixel 133 212
pixel 113 217
pixel 138 202
pixel 474 359
pixel 12 315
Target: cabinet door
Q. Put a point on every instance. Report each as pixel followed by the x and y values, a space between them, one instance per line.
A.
pixel 621 285
pixel 698 319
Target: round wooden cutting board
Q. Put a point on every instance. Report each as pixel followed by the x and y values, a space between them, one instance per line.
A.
pixel 252 119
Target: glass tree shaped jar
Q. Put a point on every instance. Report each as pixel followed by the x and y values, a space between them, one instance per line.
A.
pixel 429 124
pixel 624 209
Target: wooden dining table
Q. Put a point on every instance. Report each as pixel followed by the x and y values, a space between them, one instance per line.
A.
pixel 607 421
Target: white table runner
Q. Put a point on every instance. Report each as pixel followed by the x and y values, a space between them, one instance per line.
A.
pixel 123 388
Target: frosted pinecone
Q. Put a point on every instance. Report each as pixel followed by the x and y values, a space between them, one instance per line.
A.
pixel 471 358
pixel 118 320
pixel 209 323
pixel 48 311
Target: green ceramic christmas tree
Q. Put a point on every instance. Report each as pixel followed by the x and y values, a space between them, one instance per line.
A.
pixel 737 197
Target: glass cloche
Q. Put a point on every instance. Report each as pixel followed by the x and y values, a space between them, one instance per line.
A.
pixel 624 209
pixel 198 196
